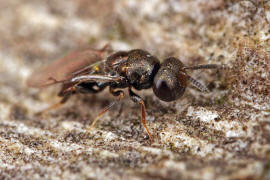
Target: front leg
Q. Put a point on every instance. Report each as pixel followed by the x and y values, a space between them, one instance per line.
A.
pixel 137 99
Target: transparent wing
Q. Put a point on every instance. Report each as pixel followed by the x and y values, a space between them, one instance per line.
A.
pixel 73 64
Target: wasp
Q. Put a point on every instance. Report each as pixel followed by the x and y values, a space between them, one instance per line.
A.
pixel 89 72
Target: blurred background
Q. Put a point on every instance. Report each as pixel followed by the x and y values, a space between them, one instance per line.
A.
pixel 222 134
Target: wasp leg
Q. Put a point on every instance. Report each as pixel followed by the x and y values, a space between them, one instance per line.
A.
pixel 55 106
pixel 67 91
pixel 119 94
pixel 137 99
pixel 95 78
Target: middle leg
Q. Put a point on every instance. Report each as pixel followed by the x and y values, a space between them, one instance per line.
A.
pixel 119 94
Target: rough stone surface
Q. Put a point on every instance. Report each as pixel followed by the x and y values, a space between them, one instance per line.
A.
pixel 224 134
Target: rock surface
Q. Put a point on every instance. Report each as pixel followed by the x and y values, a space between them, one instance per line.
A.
pixel 224 134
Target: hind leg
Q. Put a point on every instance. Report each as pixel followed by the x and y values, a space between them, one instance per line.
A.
pixel 119 94
pixel 66 92
pixel 54 106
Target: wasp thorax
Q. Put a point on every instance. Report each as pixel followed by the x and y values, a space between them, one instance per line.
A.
pixel 170 80
pixel 140 69
pixel 113 61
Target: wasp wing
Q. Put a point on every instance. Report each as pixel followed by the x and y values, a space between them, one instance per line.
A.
pixel 73 64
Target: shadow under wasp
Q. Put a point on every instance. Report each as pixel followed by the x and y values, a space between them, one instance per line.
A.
pixel 88 72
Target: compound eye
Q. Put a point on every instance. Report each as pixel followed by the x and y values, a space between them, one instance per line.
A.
pixel 164 90
pixel 170 81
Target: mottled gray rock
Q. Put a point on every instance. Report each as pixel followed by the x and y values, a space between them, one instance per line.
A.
pixel 224 134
